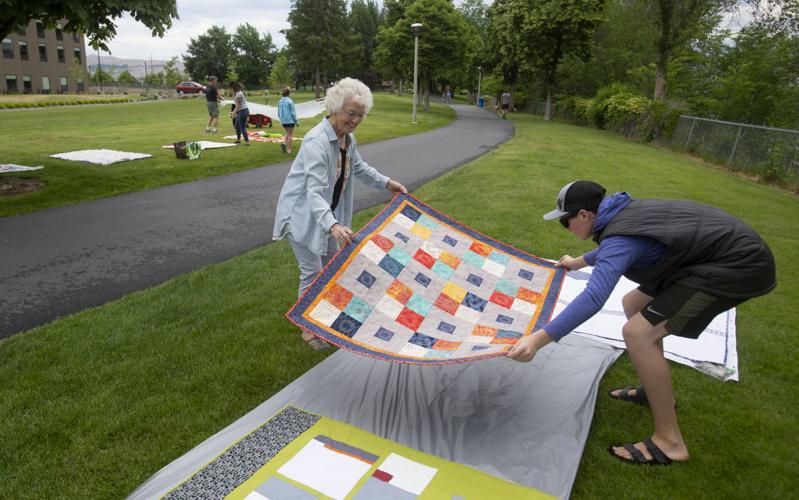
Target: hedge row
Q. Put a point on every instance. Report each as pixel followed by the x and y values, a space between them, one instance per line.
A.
pixel 46 104
pixel 618 109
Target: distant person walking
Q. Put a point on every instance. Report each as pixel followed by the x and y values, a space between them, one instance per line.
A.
pixel 505 101
pixel 212 101
pixel 240 112
pixel 288 117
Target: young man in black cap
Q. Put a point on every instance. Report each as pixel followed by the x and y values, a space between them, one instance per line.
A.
pixel 691 261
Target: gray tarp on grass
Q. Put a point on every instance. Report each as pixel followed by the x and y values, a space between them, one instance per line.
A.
pixel 524 422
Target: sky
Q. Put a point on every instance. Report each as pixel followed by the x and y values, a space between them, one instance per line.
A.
pixel 134 40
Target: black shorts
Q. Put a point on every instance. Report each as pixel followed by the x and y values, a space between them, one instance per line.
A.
pixel 505 106
pixel 288 126
pixel 687 311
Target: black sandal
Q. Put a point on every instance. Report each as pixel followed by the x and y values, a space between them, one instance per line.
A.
pixel 624 394
pixel 638 458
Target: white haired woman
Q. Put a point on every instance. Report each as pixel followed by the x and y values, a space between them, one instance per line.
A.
pixel 314 210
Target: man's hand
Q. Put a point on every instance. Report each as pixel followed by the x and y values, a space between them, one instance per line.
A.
pixel 396 187
pixel 571 263
pixel 342 234
pixel 526 348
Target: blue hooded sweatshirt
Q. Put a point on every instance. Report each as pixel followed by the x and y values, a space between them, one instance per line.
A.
pixel 611 259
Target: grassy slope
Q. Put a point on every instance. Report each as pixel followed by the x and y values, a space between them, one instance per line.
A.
pixel 29 136
pixel 96 402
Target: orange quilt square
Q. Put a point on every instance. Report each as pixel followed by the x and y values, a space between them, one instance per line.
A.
pixel 399 291
pixel 528 295
pixel 410 319
pixel 484 331
pixel 338 296
pixel 384 243
pixel 424 258
pixel 480 248
pixel 501 299
pixel 446 304
pixel 450 260
pixel 445 345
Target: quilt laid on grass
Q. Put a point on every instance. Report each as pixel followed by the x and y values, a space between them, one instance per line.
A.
pixel 100 156
pixel 298 455
pixel 13 167
pixel 416 286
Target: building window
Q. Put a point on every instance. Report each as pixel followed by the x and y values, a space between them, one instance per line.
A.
pixel 23 51
pixel 8 49
pixel 79 83
pixel 42 52
pixel 11 83
pixel 59 34
pixel 40 29
pixel 45 85
pixel 60 50
pixel 27 87
pixel 75 37
pixel 62 83
pixel 77 55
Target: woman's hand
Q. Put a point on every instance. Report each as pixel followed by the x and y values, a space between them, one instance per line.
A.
pixel 527 347
pixel 396 187
pixel 342 234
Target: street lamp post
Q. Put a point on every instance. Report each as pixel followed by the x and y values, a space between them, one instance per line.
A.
pixel 99 71
pixel 479 81
pixel 416 28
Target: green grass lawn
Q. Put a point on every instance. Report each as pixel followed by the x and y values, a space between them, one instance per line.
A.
pixel 95 403
pixel 29 136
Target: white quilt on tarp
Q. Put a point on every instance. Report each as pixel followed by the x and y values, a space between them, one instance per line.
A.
pixel 12 167
pixel 307 109
pixel 714 352
pixel 100 156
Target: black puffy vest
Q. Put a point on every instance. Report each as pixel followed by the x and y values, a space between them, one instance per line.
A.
pixel 707 248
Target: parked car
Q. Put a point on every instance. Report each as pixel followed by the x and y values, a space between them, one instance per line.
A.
pixel 189 88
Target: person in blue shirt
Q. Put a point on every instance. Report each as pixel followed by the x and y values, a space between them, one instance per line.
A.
pixel 691 262
pixel 288 117
pixel 314 209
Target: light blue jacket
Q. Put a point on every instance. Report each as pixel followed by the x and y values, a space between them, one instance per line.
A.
pixel 303 208
pixel 285 111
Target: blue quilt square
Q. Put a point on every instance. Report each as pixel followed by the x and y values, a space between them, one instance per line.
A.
pixel 422 279
pixel 399 255
pixel 427 222
pixel 474 259
pixel 442 269
pixel 366 279
pixel 419 304
pixel 358 309
pixel 474 279
pixel 390 265
pixel 345 324
pixel 479 347
pixel 450 241
pixel 507 334
pixel 411 213
pixel 499 257
pixel 526 274
pixel 504 319
pixel 507 287
pixel 422 340
pixel 438 353
pixel 384 334
pixel 473 301
pixel 401 237
pixel 446 327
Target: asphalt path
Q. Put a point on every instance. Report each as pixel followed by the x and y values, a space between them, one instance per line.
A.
pixel 63 260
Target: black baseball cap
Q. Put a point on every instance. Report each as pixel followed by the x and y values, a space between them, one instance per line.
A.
pixel 575 196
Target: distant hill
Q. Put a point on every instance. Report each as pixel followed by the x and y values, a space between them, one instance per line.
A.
pixel 136 67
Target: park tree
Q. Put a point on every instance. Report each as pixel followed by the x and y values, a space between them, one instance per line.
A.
pixel 255 55
pixel 545 32
pixel 125 78
pixel 507 56
pixel 101 76
pixel 281 75
pixel 365 19
pixel 97 19
pixel 318 37
pixel 211 53
pixel 172 75
pixel 441 43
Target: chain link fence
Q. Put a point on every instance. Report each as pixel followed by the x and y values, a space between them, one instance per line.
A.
pixel 770 153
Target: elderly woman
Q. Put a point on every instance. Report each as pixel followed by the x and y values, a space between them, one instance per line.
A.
pixel 314 210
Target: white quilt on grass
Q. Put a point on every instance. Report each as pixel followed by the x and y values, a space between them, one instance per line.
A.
pixel 100 156
pixel 307 109
pixel 12 167
pixel 713 353
pixel 206 145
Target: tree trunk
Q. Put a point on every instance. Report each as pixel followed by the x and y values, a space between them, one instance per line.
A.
pixel 666 11
pixel 426 87
pixel 548 108
pixel 317 82
pixel 661 77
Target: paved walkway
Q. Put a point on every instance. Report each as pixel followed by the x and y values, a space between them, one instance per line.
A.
pixel 63 260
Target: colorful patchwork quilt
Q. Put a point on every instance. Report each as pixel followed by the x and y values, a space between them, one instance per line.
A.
pixel 416 286
pixel 298 455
